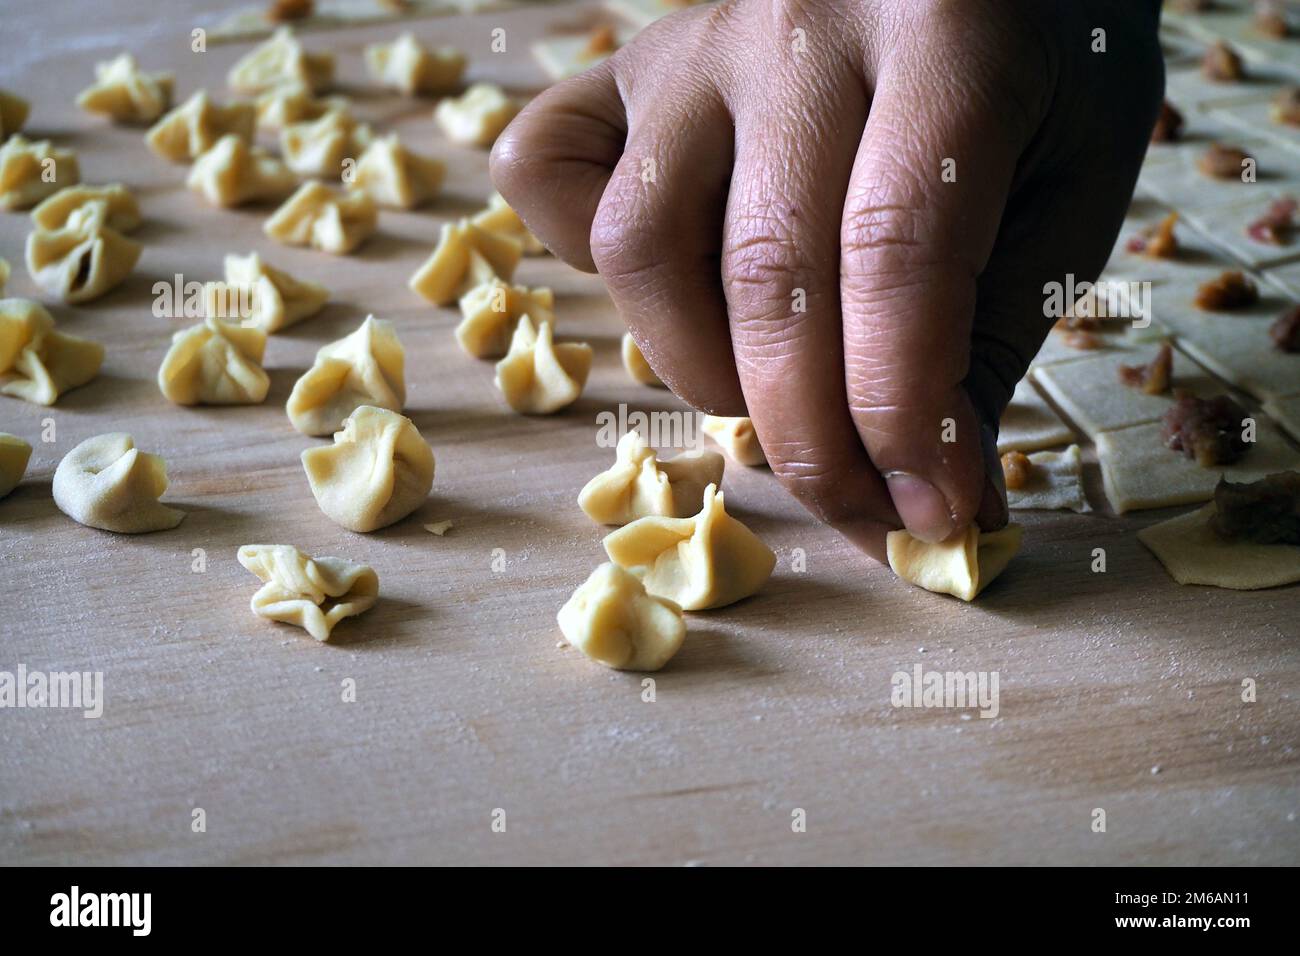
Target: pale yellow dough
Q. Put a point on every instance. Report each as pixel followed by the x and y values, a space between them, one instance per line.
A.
pixel 1057 482
pixel 282 61
pixel 311 593
pixel 638 485
pixel 407 66
pixel 215 363
pixel 13 114
pixel 708 561
pixel 14 455
pixel 32 170
pixel 195 126
pixel 1194 553
pixel 4 275
pixel 465 256
pixel 636 365
pixel 37 363
pixel 962 566
pixel 233 172
pixel 125 93
pixel 1029 423
pixel 737 438
pixel 108 483
pixel 396 177
pixel 477 116
pixel 490 312
pixel 84 258
pixel 114 205
pixel 324 219
pixel 539 376
pixel 262 296
pixel 612 620
pixel 364 368
pixel 283 106
pixel 498 217
pixel 320 147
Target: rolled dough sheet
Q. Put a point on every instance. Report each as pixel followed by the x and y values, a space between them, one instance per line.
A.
pixel 1193 553
pixel 1138 471
pixel 1057 483
pixel 1234 22
pixel 1090 392
pixel 1055 350
pixel 1182 186
pixel 561 57
pixel 1286 412
pixel 1254 114
pixel 1029 422
pixel 963 566
pixel 1286 277
pixel 1194 248
pixel 1227 223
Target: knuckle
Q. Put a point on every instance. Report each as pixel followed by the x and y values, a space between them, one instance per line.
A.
pixel 813 474
pixel 620 247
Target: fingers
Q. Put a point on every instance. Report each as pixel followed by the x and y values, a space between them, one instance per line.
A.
pixel 553 161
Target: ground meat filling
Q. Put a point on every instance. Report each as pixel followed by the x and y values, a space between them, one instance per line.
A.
pixel 1017 469
pixel 1158 241
pixel 1285 332
pixel 1264 512
pixel 1285 109
pixel 1277 225
pixel 1231 290
pixel 1152 378
pixel 1169 125
pixel 1222 162
pixel 1221 64
pixel 1207 430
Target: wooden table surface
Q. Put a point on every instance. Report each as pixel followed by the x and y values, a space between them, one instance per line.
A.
pixel 1120 691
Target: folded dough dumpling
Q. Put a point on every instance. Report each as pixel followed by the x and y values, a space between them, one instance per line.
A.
pixel 38 364
pixel 324 219
pixel 465 256
pixel 14 455
pixel 108 483
pixel 365 368
pixel 30 170
pixel 82 260
pixel 311 593
pixel 636 365
pixel 639 485
pixel 476 117
pixel 319 147
pixel 612 620
pixel 13 114
pixel 233 172
pixel 292 103
pixel 378 470
pixel 125 93
pixel 195 126
pixel 4 275
pixel 407 66
pixel 708 561
pixel 262 296
pixel 538 376
pixel 281 60
pixel 737 438
pixel 491 311
pixel 215 363
pixel 115 205
pixel 962 566
pixel 394 176
pixel 498 217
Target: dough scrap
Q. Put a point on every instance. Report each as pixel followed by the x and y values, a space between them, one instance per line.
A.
pixel 108 483
pixel 638 485
pixel 1056 482
pixel 407 66
pixel 962 566
pixel 194 127
pixel 125 93
pixel 292 103
pixel 396 177
pixel 232 173
pixel 311 593
pixel 262 296
pixel 538 376
pixel 708 561
pixel 83 259
pixel 13 114
pixel 737 438
pixel 477 116
pixel 281 60
pixel 364 368
pixel 636 365
pixel 1029 423
pixel 439 528
pixel 1194 553
pixel 324 219
pixel 215 363
pixel 465 256
pixel 612 620
pixel 378 470
pixel 14 455
pixel 498 217
pixel 38 364
pixel 319 147
pixel 490 312
pixel 115 205
pixel 23 165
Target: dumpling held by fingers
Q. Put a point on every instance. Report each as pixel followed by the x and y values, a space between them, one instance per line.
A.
pixel 962 566
pixel 108 483
pixel 311 593
pixel 539 376
pixel 364 368
pixel 378 470
pixel 737 438
pixel 215 363
pixel 636 365
pixel 37 363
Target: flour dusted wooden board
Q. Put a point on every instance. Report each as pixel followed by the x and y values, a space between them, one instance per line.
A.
pixel 464 702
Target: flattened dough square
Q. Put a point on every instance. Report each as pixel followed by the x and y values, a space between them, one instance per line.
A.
pixel 1254 114
pixel 1057 483
pixel 1193 553
pixel 561 57
pixel 1194 248
pixel 1029 422
pixel 1227 224
pixel 1179 184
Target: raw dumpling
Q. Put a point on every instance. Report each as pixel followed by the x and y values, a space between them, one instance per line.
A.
pixel 407 66
pixel 82 260
pixel 737 438
pixel 108 483
pixel 365 368
pixel 537 376
pixel 491 311
pixel 115 206
pixel 215 363
pixel 233 172
pixel 281 60
pixel 14 455
pixel 319 147
pixel 32 170
pixel 708 561
pixel 126 94
pixel 639 485
pixel 465 256
pixel 262 296
pixel 612 620
pixel 636 365
pixel 4 275
pixel 378 470
pixel 284 105
pixel 38 364
pixel 394 176
pixel 311 593
pixel 962 566
pixel 476 117
pixel 324 219
pixel 498 217
pixel 196 125
pixel 13 114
